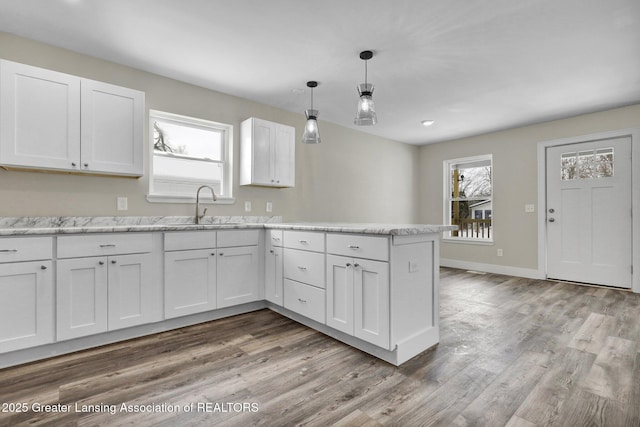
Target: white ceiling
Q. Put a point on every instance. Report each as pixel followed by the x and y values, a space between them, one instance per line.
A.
pixel 473 66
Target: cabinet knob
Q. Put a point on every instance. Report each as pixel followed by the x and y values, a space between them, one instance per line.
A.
pixel 213 254
pixel 271 251
pixel 100 262
pixel 221 254
pixel 348 264
pixel 73 164
pixel 356 265
pixel 113 261
pixel 43 267
pixel 86 165
pixel 303 301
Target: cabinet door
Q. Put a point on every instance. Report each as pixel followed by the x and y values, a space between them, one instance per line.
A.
pixel 371 301
pixel 130 291
pixel 340 293
pixel 237 276
pixel 26 305
pixel 81 297
pixel 112 129
pixel 263 134
pixel 273 281
pixel 284 156
pixel 39 117
pixel 189 282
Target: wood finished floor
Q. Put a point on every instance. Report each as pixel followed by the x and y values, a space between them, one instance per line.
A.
pixel 513 352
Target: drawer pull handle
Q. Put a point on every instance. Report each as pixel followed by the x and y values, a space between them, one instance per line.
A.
pixel 43 267
pixel 353 246
pixel 348 264
pixel 213 254
pixel 302 268
pixel 277 239
pixel 109 245
pixel 6 251
pixel 100 262
pixel 221 254
pixel 113 261
pixel 303 301
pixel 356 265
pixel 304 242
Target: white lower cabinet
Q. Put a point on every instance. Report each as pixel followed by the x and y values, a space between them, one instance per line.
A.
pixel 205 271
pixel 238 275
pixel 103 293
pixel 26 305
pixel 273 281
pixel 304 299
pixel 190 282
pixel 100 294
pixel 358 298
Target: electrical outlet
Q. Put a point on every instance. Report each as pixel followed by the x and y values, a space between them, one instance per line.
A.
pixel 269 207
pixel 500 252
pixel 122 204
pixel 247 206
pixel 529 208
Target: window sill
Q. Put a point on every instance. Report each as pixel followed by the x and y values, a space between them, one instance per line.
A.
pixel 160 198
pixel 470 241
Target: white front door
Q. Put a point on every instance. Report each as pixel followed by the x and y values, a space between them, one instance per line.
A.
pixel 589 212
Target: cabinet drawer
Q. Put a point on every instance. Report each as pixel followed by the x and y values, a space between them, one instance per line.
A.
pixel 358 246
pixel 304 266
pixel 186 240
pixel 305 300
pixel 103 244
pixel 274 237
pixel 306 240
pixel 228 239
pixel 25 248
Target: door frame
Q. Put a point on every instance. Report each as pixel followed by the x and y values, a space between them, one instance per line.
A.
pixel 634 134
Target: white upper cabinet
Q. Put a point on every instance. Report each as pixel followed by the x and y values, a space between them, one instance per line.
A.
pixel 112 133
pixel 267 153
pixel 55 121
pixel 39 117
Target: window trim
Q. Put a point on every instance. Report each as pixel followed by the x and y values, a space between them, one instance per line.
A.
pixel 227 158
pixel 446 206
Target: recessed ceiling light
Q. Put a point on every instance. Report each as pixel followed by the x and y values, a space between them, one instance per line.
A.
pixel 427 122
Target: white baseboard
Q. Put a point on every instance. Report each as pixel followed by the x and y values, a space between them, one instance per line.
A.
pixel 528 273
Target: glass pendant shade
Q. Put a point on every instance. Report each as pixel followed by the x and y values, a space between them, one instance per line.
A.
pixel 366 114
pixel 311 134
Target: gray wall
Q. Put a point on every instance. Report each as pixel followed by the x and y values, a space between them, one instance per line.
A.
pixel 351 176
pixel 515 177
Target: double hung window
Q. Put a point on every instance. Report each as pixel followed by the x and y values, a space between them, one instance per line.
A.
pixel 469 198
pixel 188 153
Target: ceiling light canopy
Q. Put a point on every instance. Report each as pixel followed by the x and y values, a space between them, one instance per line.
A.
pixel 311 134
pixel 366 114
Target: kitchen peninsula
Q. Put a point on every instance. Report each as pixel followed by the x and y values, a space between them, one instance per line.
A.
pixel 72 283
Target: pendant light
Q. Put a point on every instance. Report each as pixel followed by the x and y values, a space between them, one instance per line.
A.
pixel 311 134
pixel 366 114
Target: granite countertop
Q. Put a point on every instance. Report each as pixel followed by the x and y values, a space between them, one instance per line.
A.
pixel 14 226
pixel 365 228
